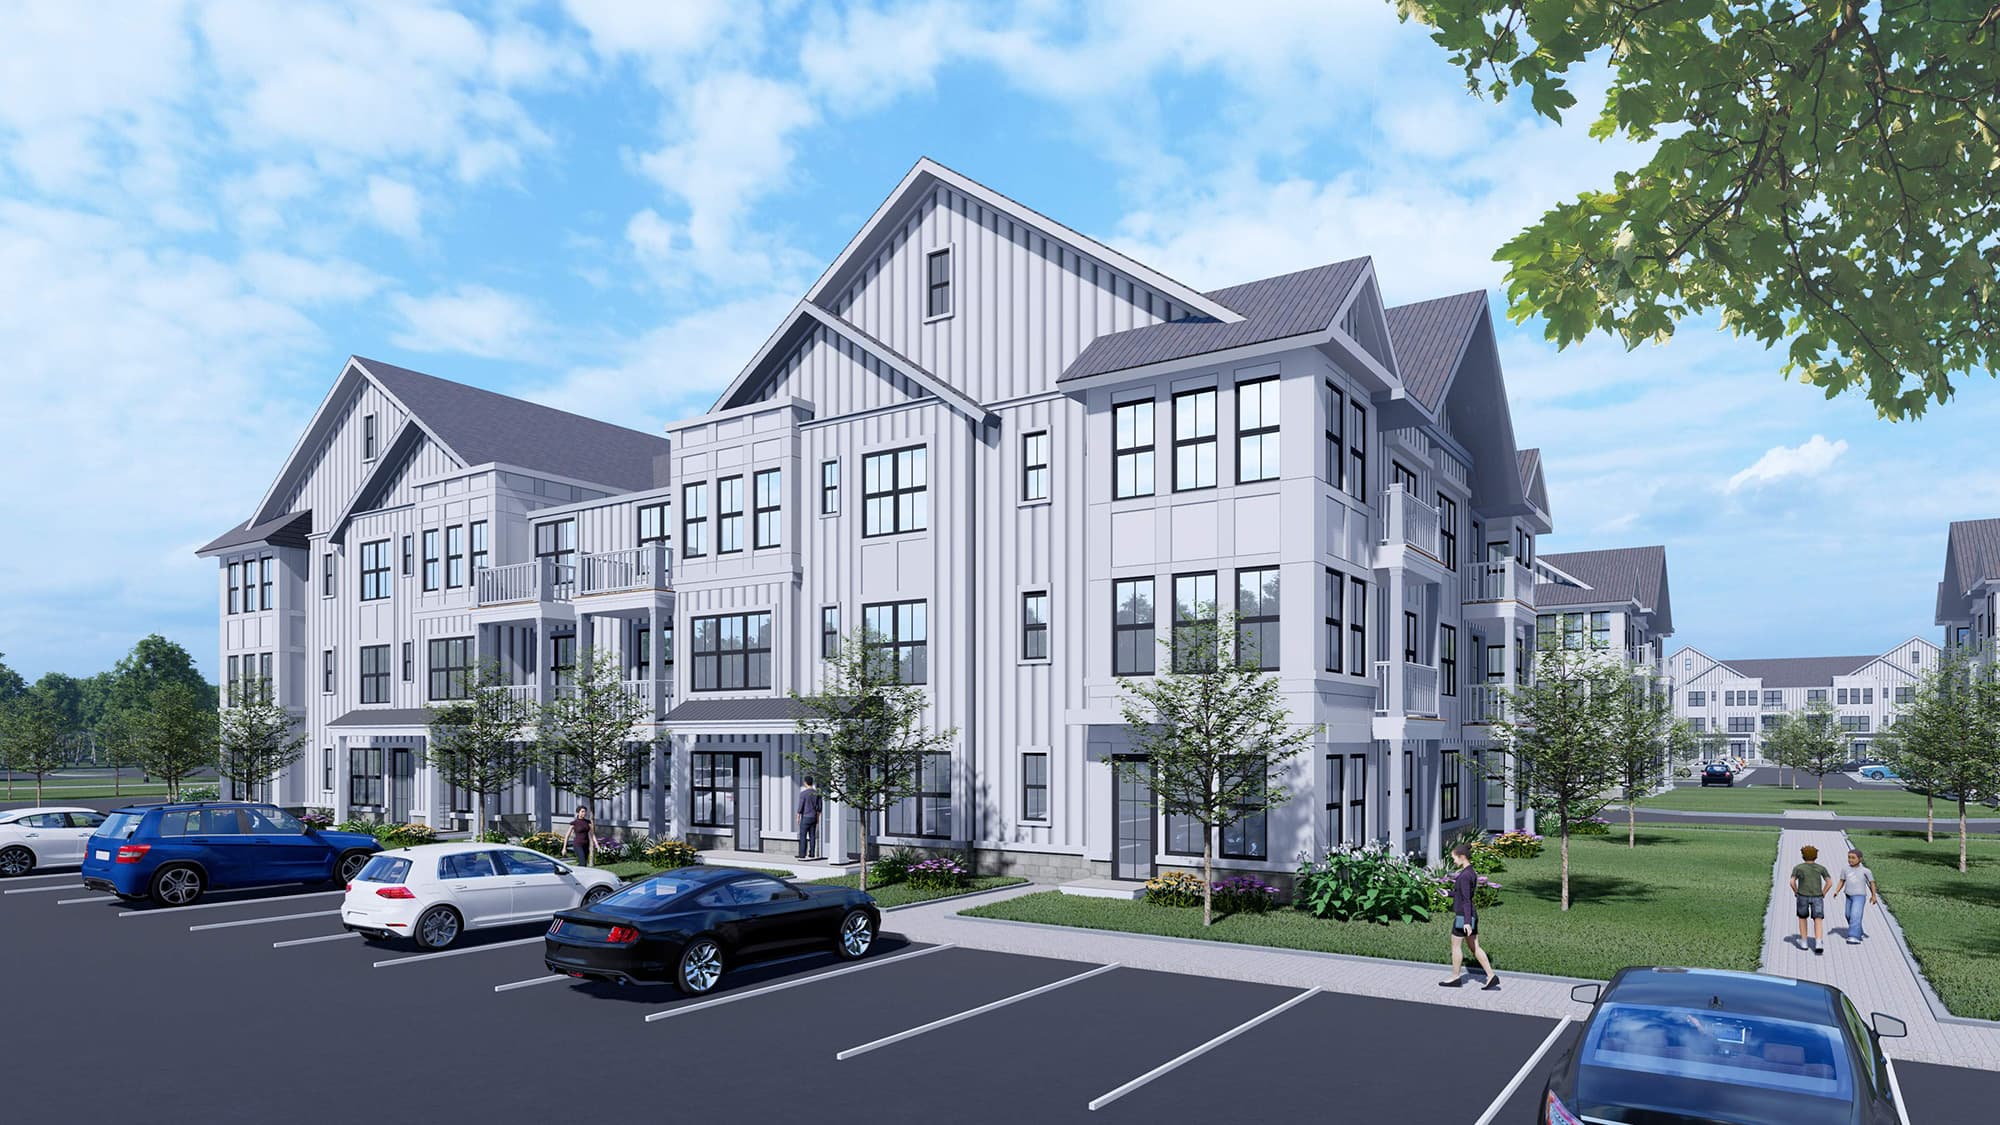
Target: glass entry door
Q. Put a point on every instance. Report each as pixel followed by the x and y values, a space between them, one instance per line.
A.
pixel 750 802
pixel 401 781
pixel 1132 850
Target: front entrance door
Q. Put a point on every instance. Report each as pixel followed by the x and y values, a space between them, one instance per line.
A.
pixel 401 781
pixel 1133 849
pixel 750 802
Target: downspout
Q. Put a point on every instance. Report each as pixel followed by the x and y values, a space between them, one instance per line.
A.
pixel 976 427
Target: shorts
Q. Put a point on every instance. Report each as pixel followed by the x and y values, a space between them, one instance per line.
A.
pixel 1812 906
pixel 1464 925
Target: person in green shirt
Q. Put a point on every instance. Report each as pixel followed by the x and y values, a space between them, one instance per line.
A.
pixel 1810 882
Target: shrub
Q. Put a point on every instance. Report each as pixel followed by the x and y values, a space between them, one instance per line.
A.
pixel 894 866
pixel 1174 888
pixel 201 793
pixel 359 827
pixel 609 849
pixel 1486 859
pixel 663 854
pixel 1517 845
pixel 404 835
pixel 1365 884
pixel 1590 826
pixel 547 843
pixel 493 837
pixel 1243 894
pixel 939 874
pixel 1485 893
pixel 317 819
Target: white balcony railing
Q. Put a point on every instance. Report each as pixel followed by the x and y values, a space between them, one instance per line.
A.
pixel 1485 704
pixel 1411 522
pixel 540 580
pixel 1500 580
pixel 1419 688
pixel 636 568
pixel 523 693
pixel 646 693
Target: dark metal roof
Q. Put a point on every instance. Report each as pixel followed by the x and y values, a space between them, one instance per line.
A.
pixel 1274 308
pixel 756 709
pixel 1528 463
pixel 384 717
pixel 482 426
pixel 1975 548
pixel 1622 574
pixel 288 530
pixel 1799 671
pixel 1428 337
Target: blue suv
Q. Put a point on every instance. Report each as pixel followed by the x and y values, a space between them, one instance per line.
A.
pixel 173 853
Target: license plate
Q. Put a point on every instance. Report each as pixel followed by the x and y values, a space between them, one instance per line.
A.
pixel 101 855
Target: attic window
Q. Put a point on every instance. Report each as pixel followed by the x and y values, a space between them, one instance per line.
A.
pixel 937 284
pixel 368 437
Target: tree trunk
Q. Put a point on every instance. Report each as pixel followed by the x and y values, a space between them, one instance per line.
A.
pixel 1565 865
pixel 867 845
pixel 1930 818
pixel 38 800
pixel 1631 823
pixel 1208 876
pixel 117 776
pixel 1821 779
pixel 1961 830
pixel 478 815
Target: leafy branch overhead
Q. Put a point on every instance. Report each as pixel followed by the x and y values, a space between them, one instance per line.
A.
pixel 1822 175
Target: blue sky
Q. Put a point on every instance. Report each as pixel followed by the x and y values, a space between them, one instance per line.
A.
pixel 205 207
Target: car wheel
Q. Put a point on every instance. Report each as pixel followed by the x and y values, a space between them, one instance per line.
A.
pixel 436 928
pixel 857 935
pixel 176 886
pixel 348 866
pixel 595 895
pixel 16 861
pixel 700 968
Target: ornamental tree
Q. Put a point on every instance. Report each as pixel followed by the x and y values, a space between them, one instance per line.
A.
pixel 1557 730
pixel 257 736
pixel 587 745
pixel 481 743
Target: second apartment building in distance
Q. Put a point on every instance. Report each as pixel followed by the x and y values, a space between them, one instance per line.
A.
pixel 1744 700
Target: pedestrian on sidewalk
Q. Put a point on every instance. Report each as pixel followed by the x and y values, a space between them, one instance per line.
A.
pixel 1810 882
pixel 1858 883
pixel 808 811
pixel 1465 922
pixel 581 836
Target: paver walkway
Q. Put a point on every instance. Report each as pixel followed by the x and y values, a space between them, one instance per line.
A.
pixel 1874 974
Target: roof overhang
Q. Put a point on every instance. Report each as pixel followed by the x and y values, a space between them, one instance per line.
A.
pixel 806 315
pixel 386 720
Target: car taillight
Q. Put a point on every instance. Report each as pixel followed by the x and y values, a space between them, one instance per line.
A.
pixel 349 887
pixel 132 853
pixel 394 892
pixel 622 935
pixel 1554 1112
pixel 555 927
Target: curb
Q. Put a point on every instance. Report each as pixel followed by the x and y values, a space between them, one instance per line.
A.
pixel 956 897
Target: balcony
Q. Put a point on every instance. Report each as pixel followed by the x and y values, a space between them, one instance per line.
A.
pixel 636 568
pixel 1485 704
pixel 1420 688
pixel 541 580
pixel 1501 580
pixel 1410 522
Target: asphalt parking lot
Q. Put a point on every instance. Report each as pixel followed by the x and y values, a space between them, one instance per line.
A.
pixel 255 1006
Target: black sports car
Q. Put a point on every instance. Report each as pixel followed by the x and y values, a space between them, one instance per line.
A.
pixel 688 925
pixel 1709 1047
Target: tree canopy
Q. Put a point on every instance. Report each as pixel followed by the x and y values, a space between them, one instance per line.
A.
pixel 1821 176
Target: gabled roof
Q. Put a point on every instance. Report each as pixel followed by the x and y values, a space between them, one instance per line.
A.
pixel 1429 337
pixel 1528 462
pixel 289 530
pixel 1621 574
pixel 793 330
pixel 1274 308
pixel 1798 671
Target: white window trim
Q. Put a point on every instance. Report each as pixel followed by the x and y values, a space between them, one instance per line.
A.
pixel 1021 469
pixel 839 488
pixel 1021 771
pixel 1021 625
pixel 951 250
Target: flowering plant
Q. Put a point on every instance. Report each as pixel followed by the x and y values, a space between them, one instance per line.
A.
pixel 201 793
pixel 317 819
pixel 939 874
pixel 1516 845
pixel 1485 893
pixel 1174 888
pixel 494 837
pixel 671 853
pixel 1589 826
pixel 607 849
pixel 1369 883
pixel 547 843
pixel 1244 894
pixel 404 835
pixel 894 866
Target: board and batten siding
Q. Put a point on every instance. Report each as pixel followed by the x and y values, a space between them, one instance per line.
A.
pixel 837 377
pixel 337 471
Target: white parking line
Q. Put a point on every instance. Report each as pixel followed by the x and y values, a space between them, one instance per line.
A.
pixel 459 952
pixel 780 987
pixel 549 979
pixel 1896 1091
pixel 313 940
pixel 970 1012
pixel 43 890
pixel 37 879
pixel 232 902
pixel 261 921
pixel 1520 1075
pixel 1106 1099
pixel 97 898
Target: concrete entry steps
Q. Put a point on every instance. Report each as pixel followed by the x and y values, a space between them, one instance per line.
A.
pixel 774 861
pixel 1104 888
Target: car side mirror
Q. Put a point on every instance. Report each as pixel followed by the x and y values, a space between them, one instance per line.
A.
pixel 1888 1027
pixel 1586 993
pixel 561 870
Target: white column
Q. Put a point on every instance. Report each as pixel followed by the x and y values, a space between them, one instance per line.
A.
pixel 1394 830
pixel 1432 770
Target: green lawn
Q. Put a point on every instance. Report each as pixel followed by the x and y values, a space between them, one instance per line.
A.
pixel 903 894
pixel 1772 799
pixel 1685 896
pixel 1952 921
pixel 64 793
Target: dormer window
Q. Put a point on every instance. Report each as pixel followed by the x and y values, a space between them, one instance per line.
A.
pixel 367 437
pixel 937 289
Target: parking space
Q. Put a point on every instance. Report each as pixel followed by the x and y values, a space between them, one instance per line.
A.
pixel 252 989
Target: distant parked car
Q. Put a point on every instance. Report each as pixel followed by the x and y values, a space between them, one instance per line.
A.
pixel 432 893
pixel 1860 764
pixel 173 854
pixel 44 837
pixel 1879 772
pixel 1718 773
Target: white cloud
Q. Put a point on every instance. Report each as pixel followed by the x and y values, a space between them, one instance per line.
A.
pixel 302 281
pixel 470 320
pixel 652 241
pixel 394 206
pixel 1810 458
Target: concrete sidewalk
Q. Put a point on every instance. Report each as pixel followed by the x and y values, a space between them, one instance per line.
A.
pixel 1875 974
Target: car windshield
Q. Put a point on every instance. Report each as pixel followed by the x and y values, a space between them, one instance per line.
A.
pixel 385 869
pixel 120 825
pixel 1709 1064
pixel 654 895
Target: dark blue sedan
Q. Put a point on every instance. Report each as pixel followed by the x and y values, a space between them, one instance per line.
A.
pixel 173 854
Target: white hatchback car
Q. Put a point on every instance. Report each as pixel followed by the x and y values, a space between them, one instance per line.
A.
pixel 44 837
pixel 432 893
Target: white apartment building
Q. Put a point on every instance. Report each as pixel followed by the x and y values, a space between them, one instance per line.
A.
pixel 1969 593
pixel 1020 457
pixel 1747 699
pixel 1616 600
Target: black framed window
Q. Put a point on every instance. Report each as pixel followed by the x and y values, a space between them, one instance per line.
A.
pixel 1448 659
pixel 1035 465
pixel 1412 650
pixel 235 681
pixel 1335 591
pixel 450 668
pixel 1600 630
pixel 732 652
pixel 364 776
pixel 433 561
pixel 1357 450
pixel 937 283
pixel 1357 626
pixel 1035 625
pixel 1401 474
pixel 409 661
pixel 1257 430
pixel 1257 618
pixel 901 630
pixel 1133 639
pixel 653 522
pixel 1035 786
pixel 326 768
pixel 1448 530
pixel 694 520
pixel 326 578
pixel 1336 404
pixel 375 673
pixel 326 669
pixel 1449 808
pixel 248 583
pixel 562 659
pixel 829 632
pixel 1183 836
pixel 713 786
pixel 454 556
pixel 895 491
pixel 1248 838
pixel 374 570
pixel 1409 789
pixel 927 812
pixel 1194 605
pixel 265 683
pixel 267 578
pixel 1132 442
pixel 1572 624
pixel 1194 440
pixel 728 515
pixel 482 555
pixel 769 526
pixel 367 437
pixel 829 487
pixel 236 587
pixel 556 541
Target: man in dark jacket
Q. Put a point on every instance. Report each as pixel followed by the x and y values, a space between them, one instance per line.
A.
pixel 1465 921
pixel 808 811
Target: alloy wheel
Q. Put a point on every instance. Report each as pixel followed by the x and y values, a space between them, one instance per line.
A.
pixel 856 935
pixel 16 861
pixel 351 867
pixel 438 929
pixel 180 886
pixel 595 895
pixel 701 967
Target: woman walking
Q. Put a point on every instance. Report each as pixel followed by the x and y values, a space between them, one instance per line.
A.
pixel 581 838
pixel 1465 922
pixel 1858 883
